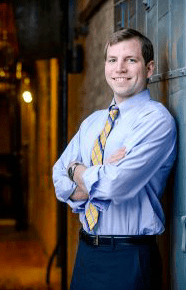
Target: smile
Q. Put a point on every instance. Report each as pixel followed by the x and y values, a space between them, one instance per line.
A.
pixel 120 79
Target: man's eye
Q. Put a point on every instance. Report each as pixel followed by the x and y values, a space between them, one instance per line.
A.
pixel 131 60
pixel 112 60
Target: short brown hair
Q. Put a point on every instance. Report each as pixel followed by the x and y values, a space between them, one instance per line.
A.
pixel 128 33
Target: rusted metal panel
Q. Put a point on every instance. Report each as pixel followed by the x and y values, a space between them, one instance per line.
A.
pixel 178 258
pixel 152 3
pixel 154 91
pixel 177 33
pixel 141 17
pixel 172 74
pixel 177 103
pixel 163 44
pixel 132 13
pixel 152 31
pixel 164 22
pixel 118 16
pixel 121 15
pixel 163 8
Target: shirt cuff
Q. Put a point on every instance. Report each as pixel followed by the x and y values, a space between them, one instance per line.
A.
pixel 77 206
pixel 101 205
pixel 66 186
pixel 90 177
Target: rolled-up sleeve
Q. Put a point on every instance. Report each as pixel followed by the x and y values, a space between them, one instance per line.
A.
pixel 64 187
pixel 151 146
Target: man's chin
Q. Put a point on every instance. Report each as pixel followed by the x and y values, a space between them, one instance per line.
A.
pixel 124 95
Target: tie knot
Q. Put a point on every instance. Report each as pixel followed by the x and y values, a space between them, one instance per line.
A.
pixel 114 111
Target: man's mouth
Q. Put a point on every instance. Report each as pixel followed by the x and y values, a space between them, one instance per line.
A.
pixel 120 79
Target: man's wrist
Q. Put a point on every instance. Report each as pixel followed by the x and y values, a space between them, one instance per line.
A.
pixel 73 193
pixel 71 170
pixel 78 194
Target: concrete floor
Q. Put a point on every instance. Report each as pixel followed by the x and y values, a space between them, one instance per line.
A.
pixel 23 261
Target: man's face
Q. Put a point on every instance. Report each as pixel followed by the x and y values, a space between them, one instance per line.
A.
pixel 125 69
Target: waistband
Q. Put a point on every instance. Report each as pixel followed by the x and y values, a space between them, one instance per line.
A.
pixel 110 240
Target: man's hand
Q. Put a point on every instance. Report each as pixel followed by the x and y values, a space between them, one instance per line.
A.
pixel 78 177
pixel 78 173
pixel 79 194
pixel 116 156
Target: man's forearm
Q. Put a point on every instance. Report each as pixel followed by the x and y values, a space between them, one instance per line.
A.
pixel 79 194
pixel 78 177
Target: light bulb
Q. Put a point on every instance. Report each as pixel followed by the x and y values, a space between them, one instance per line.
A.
pixel 27 96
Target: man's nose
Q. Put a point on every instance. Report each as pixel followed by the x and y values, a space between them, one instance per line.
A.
pixel 121 66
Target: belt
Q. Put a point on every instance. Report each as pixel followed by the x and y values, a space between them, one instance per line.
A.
pixel 110 240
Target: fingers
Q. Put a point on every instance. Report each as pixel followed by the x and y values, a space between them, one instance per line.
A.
pixel 120 152
pixel 116 156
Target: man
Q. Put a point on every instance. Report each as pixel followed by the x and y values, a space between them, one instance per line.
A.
pixel 113 175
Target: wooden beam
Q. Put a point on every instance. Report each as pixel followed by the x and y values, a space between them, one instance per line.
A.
pixel 90 10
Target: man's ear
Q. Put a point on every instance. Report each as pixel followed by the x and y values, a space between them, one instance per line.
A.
pixel 150 68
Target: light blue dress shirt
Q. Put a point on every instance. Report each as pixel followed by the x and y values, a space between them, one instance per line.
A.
pixel 127 193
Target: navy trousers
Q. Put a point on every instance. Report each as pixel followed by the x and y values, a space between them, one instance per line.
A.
pixel 120 267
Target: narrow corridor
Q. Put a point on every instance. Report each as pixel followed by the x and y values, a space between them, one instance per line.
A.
pixel 23 262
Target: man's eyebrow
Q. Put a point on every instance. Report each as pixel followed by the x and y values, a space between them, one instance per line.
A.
pixel 129 56
pixel 112 56
pixel 132 56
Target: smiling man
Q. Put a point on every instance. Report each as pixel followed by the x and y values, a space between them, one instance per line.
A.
pixel 125 69
pixel 113 173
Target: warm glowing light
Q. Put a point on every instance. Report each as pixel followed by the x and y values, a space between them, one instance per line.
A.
pixel 27 96
pixel 19 70
pixel 2 73
pixel 27 81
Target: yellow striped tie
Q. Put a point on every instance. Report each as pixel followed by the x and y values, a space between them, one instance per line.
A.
pixel 97 158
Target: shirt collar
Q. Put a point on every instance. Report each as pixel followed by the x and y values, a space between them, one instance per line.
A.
pixel 136 100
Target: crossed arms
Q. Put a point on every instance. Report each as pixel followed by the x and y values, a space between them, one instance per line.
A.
pixel 80 193
pixel 150 146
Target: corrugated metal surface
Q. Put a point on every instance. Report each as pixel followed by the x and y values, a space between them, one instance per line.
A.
pixel 164 22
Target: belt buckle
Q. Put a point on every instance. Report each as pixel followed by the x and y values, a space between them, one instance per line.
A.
pixel 96 240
